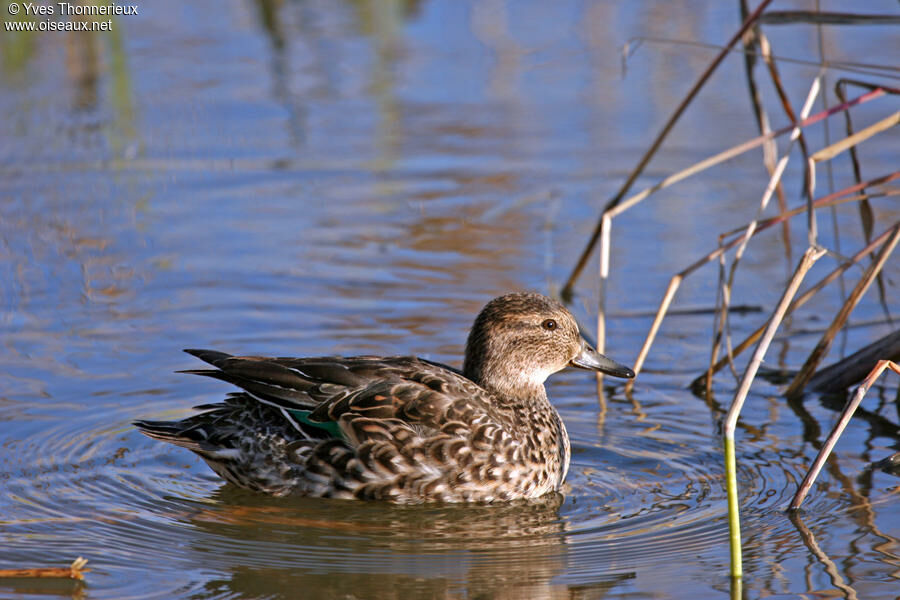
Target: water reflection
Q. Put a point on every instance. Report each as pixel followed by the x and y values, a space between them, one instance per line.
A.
pixel 511 551
pixel 47 588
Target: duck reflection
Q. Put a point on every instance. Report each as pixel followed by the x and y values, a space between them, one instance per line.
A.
pixel 315 548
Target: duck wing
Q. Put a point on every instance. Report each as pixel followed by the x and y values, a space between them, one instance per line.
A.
pixel 363 396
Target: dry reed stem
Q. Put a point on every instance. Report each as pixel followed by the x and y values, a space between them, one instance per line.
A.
pixel 812 230
pixel 815 357
pixel 824 154
pixel 831 200
pixel 676 280
pixel 636 172
pixel 603 273
pixel 774 75
pixel 736 151
pixel 606 218
pixel 806 262
pixel 751 41
pixel 852 140
pixel 733 152
pixel 74 571
pixel 866 215
pixel 744 240
pixel 723 300
pixel 809 258
pixel 674 284
pixel 766 51
pixel 870 69
pixel 839 427
pixel 784 17
pixel 603 267
pixel 803 298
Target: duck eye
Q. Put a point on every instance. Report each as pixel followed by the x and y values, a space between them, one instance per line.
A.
pixel 549 324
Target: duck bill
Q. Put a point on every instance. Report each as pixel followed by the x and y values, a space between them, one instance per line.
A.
pixel 589 358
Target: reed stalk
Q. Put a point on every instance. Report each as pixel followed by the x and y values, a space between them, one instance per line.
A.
pixel 806 262
pixel 839 427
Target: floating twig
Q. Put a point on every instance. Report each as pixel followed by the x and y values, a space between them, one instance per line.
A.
pixel 74 571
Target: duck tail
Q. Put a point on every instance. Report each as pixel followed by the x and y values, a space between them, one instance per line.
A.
pixel 173 432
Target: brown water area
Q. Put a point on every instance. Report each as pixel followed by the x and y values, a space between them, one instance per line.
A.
pixel 326 177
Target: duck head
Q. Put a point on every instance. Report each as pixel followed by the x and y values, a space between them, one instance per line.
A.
pixel 518 340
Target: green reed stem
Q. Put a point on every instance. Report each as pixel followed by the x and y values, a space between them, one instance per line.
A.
pixel 734 516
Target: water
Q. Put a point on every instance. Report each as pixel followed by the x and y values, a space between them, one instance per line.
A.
pixel 307 178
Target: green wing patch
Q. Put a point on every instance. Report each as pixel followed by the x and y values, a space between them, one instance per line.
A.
pixel 331 427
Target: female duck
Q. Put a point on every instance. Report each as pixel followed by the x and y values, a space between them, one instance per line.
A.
pixel 401 429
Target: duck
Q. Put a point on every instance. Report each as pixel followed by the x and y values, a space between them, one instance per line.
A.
pixel 399 429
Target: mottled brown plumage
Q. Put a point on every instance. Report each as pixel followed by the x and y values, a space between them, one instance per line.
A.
pixel 400 429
